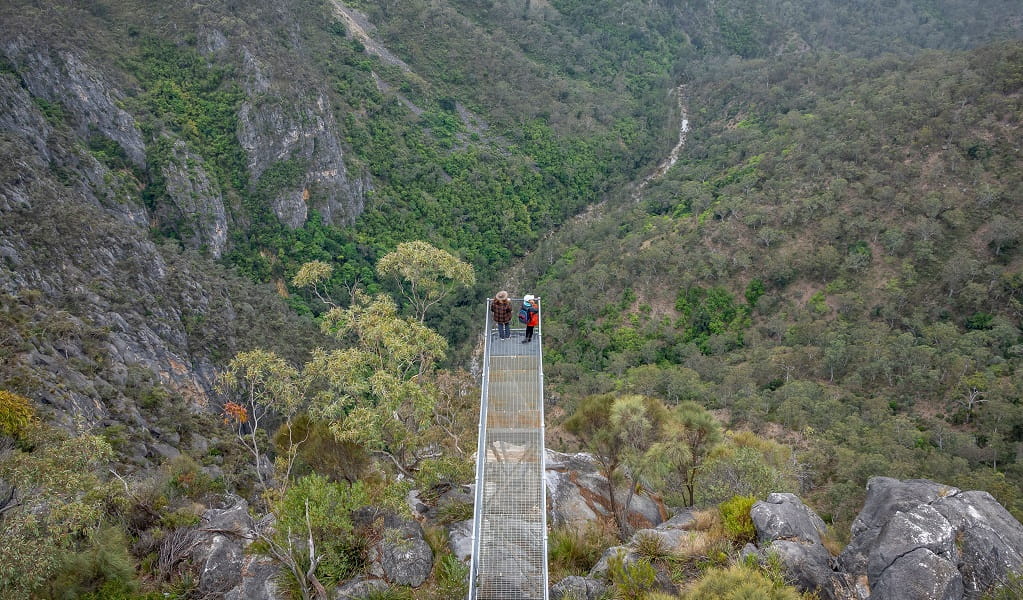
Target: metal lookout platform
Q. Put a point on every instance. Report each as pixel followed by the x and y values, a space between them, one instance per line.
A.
pixel 509 556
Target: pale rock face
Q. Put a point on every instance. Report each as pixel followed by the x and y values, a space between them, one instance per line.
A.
pixel 85 93
pixel 198 200
pixel 275 128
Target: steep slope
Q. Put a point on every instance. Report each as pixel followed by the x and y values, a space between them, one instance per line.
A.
pixel 836 251
pixel 150 142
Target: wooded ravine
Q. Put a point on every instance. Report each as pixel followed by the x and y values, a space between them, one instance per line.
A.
pixel 246 247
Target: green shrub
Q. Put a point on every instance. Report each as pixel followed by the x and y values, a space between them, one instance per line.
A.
pixel 393 593
pixel 739 583
pixel 105 565
pixel 574 550
pixel 630 581
pixel 330 506
pixel 1010 589
pixel 736 519
pixel 16 414
pixel 63 509
pixel 450 574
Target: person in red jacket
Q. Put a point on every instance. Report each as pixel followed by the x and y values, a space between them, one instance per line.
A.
pixel 531 304
pixel 502 309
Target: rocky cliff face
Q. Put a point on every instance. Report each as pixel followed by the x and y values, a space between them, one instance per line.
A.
pixel 282 128
pixel 101 324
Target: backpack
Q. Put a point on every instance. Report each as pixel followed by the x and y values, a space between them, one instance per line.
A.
pixel 523 314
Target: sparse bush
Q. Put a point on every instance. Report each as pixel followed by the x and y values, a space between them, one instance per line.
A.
pixel 321 452
pixel 630 581
pixel 652 546
pixel 444 470
pixel 453 512
pixel 1010 589
pixel 574 550
pixel 186 478
pixel 437 537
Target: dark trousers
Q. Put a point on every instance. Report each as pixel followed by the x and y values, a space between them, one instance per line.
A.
pixel 529 332
pixel 504 330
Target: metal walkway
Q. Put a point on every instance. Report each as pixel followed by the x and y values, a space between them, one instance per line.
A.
pixel 509 555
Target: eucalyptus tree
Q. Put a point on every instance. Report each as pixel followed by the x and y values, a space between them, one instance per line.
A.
pixel 373 391
pixel 425 275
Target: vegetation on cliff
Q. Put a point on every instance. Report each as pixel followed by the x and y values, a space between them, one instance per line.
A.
pixel 827 286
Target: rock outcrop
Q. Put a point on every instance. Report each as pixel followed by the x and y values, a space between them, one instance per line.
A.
pixel 916 540
pixel 198 201
pixel 578 588
pixel 302 131
pixel 401 555
pixel 913 540
pixel 225 570
pixel 577 494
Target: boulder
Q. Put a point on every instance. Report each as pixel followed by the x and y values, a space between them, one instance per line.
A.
pixel 258 580
pixel 681 518
pixel 920 540
pixel 220 548
pixel 599 570
pixel 919 575
pixel 921 527
pixel 574 587
pixel 220 571
pixel 359 588
pixel 791 531
pixel 989 539
pixel 401 556
pixel 885 497
pixel 460 539
pixel 578 494
pixel 784 516
pixel 809 566
pixel 670 538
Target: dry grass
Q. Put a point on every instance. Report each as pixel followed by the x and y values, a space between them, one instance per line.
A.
pixel 833 545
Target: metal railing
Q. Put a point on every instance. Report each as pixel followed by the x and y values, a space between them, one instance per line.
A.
pixel 509 554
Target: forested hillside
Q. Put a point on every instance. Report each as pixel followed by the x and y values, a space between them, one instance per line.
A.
pixel 244 248
pixel 836 253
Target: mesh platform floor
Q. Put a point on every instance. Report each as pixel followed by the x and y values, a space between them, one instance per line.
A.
pixel 510 561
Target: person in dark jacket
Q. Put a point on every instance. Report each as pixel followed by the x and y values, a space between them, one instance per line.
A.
pixel 532 305
pixel 502 309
